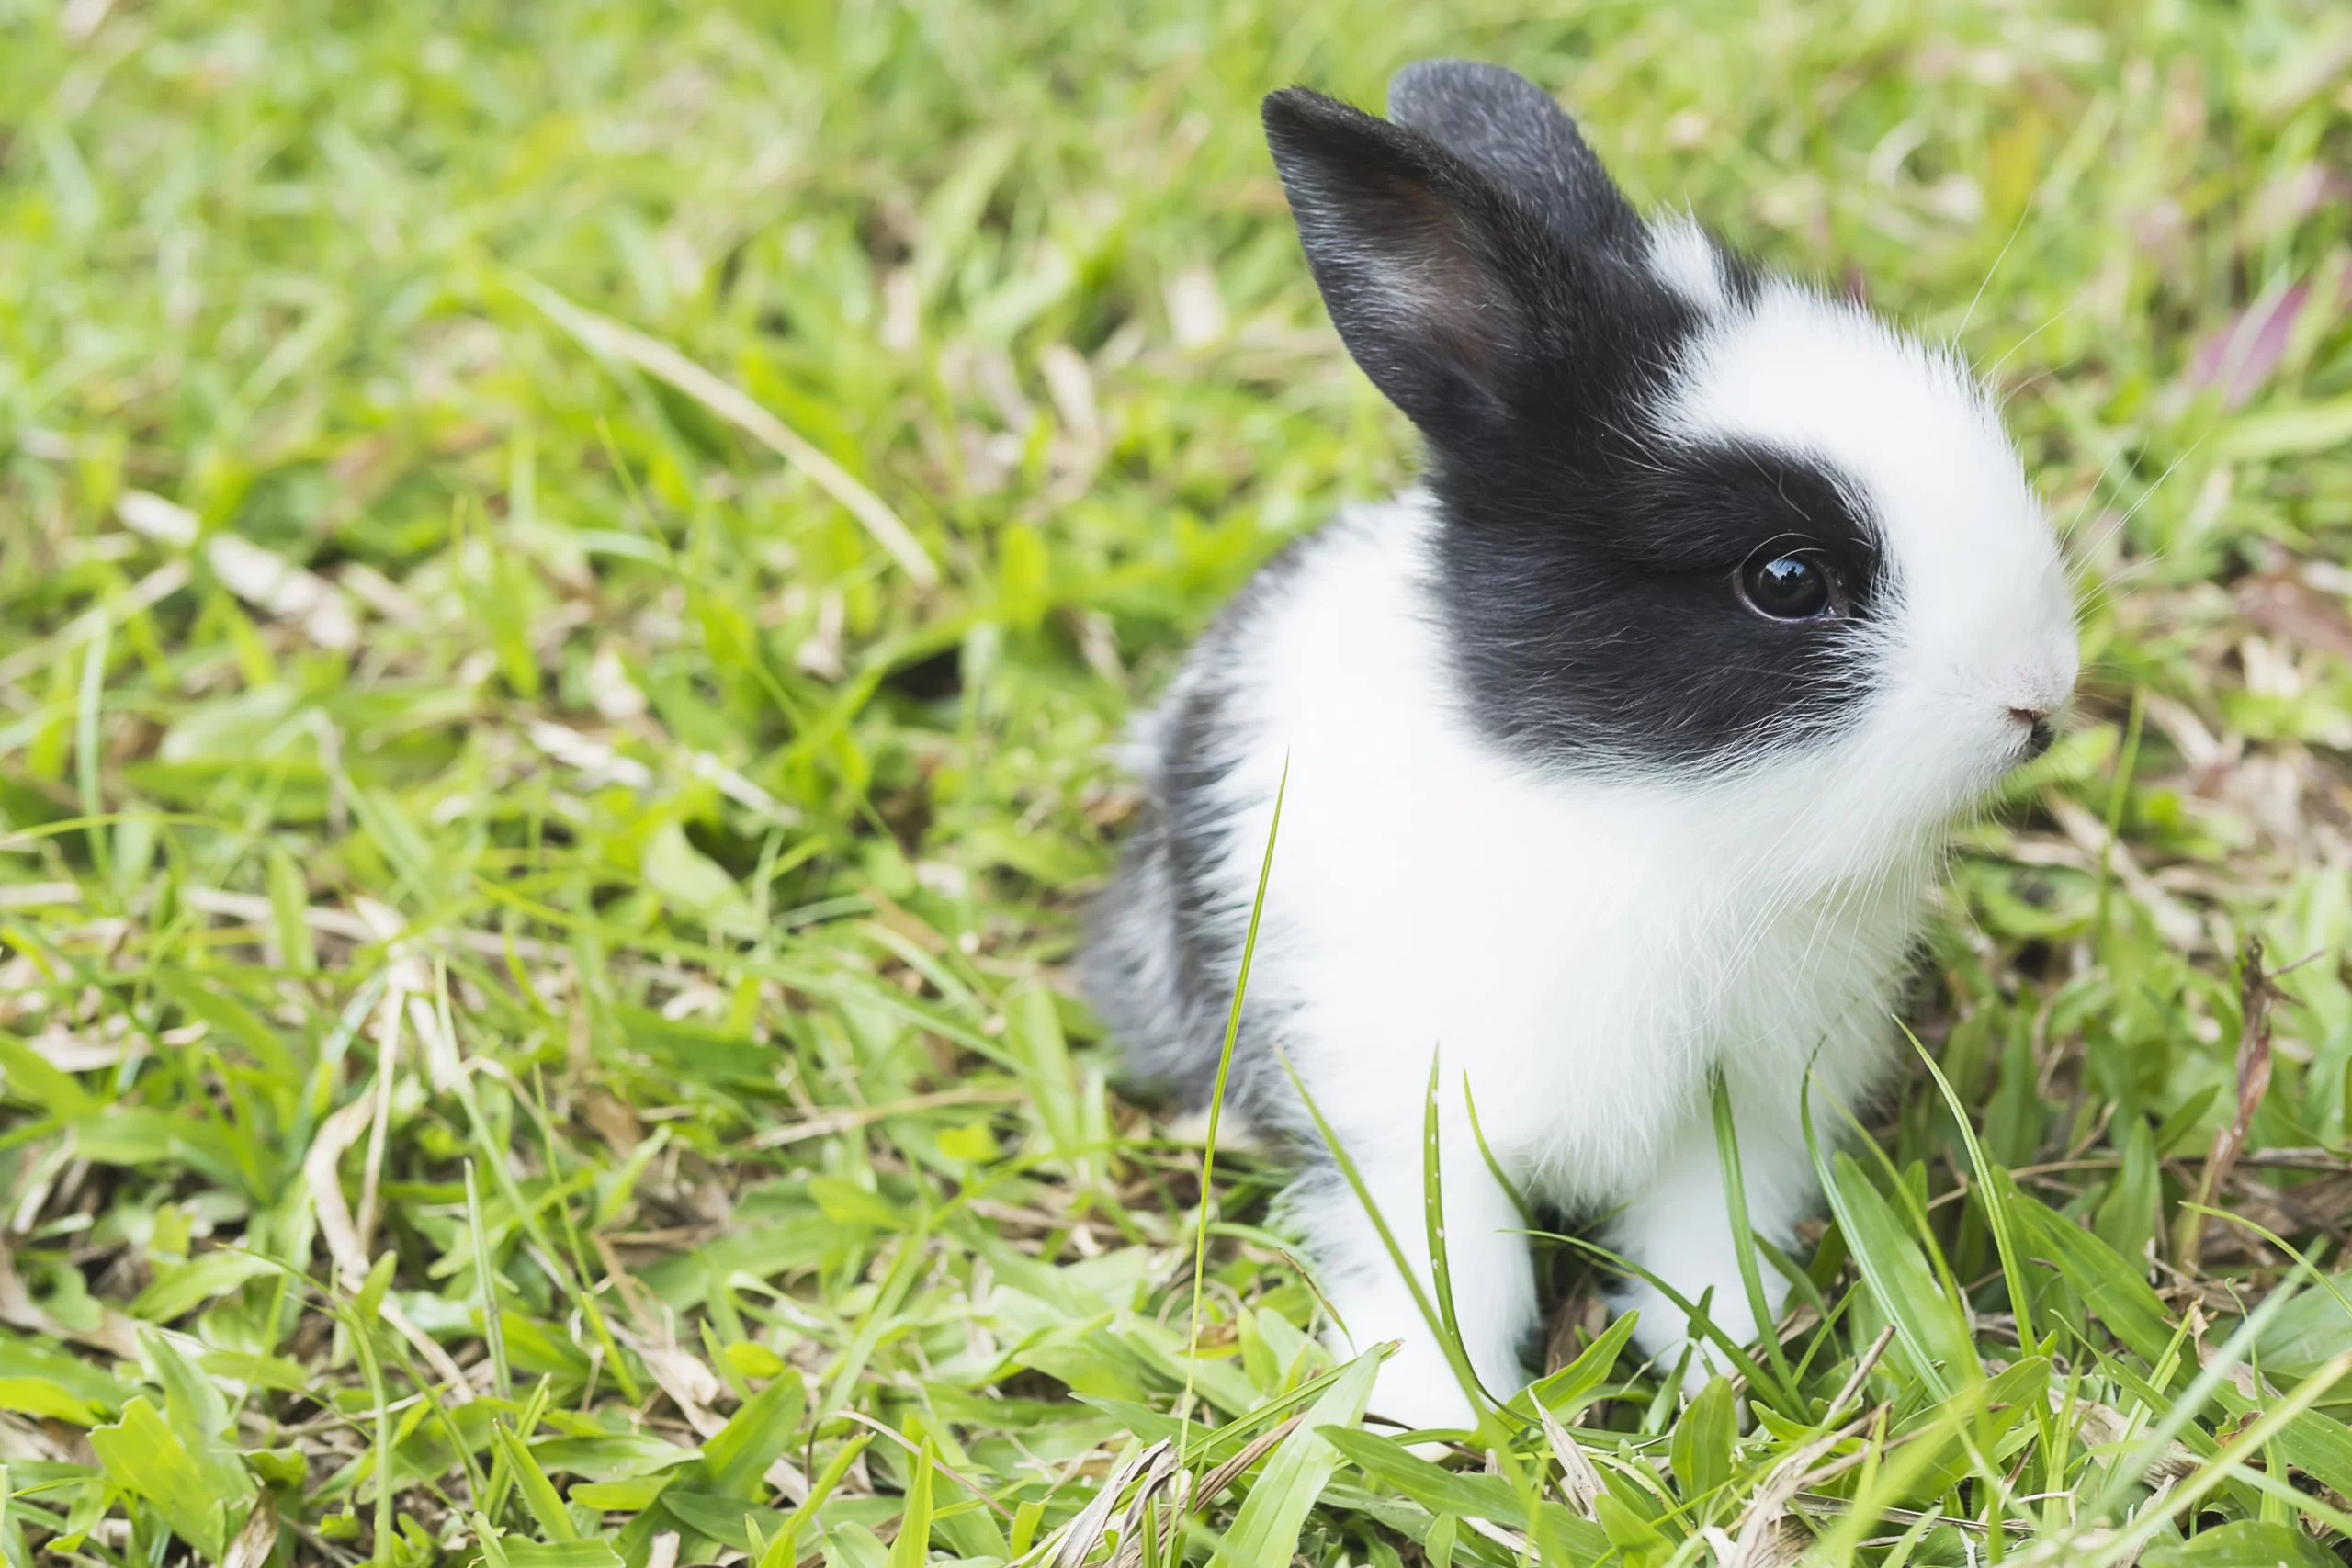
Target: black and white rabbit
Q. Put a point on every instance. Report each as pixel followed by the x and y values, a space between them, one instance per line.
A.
pixel 1620 751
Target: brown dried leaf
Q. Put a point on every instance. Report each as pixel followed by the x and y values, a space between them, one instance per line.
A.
pixel 691 1385
pixel 2100 1424
pixel 612 1122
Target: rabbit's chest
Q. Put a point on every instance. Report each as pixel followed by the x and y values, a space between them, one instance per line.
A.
pixel 1597 1038
pixel 1586 981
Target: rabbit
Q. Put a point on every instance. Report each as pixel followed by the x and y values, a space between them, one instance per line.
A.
pixel 1621 749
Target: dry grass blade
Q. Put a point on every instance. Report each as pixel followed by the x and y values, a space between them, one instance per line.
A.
pixel 938 1467
pixel 1084 1533
pixel 328 1145
pixel 2178 924
pixel 1180 1504
pixel 2258 994
pixel 1511 1541
pixel 345 1245
pixel 257 913
pixel 262 578
pixel 1257 1448
pixel 1760 1520
pixel 258 1539
pixel 687 1378
pixel 2292 609
pixel 1160 1474
pixel 1861 1373
pixel 826 1124
pixel 1782 1544
pixel 1579 1482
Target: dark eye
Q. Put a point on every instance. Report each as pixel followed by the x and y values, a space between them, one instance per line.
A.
pixel 1787 586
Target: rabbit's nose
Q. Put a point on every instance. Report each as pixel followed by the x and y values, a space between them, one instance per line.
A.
pixel 2038 732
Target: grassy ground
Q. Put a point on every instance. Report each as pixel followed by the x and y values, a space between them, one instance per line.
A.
pixel 565 574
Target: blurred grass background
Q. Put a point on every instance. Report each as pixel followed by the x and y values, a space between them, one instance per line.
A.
pixel 565 576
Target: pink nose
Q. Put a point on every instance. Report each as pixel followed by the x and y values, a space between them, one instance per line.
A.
pixel 2030 716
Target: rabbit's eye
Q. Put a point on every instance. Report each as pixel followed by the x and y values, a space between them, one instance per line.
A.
pixel 1787 586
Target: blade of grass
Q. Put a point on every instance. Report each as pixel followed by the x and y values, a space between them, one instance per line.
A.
pixel 1494 1167
pixel 1265 1533
pixel 1867 1245
pixel 359 1324
pixel 1433 1223
pixel 1922 1234
pixel 538 1493
pixel 913 1547
pixel 1742 1237
pixel 88 745
pixel 1455 1359
pixel 1217 1105
pixel 609 339
pixel 590 1308
pixel 1996 1217
pixel 1883 1483
pixel 837 1466
pixel 526 1212
pixel 493 1330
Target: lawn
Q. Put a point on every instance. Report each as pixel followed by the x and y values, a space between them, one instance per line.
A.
pixel 569 576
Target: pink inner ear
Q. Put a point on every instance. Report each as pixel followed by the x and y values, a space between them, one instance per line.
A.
pixel 1442 289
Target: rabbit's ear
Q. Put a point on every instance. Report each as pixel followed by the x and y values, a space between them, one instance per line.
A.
pixel 1510 131
pixel 1419 256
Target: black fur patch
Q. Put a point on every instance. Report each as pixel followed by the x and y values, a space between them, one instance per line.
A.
pixel 1594 605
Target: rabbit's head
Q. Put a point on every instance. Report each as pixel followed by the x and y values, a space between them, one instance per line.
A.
pixel 1701 526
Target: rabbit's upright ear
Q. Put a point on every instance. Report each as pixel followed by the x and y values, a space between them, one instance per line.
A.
pixel 1511 130
pixel 1423 260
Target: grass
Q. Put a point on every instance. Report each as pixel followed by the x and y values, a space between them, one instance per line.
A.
pixel 566 574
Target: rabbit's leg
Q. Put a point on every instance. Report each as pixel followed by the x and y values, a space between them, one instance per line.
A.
pixel 1493 1286
pixel 1679 1229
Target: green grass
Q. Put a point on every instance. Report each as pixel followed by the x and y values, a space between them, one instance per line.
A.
pixel 535 889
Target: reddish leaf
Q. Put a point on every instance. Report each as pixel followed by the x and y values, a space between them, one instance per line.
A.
pixel 2239 357
pixel 2286 607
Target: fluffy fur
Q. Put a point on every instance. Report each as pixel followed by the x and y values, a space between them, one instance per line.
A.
pixel 1563 804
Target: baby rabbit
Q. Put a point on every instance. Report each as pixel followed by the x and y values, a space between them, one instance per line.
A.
pixel 1620 751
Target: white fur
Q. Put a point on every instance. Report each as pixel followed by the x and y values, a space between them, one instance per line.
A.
pixel 1584 952
pixel 1682 258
